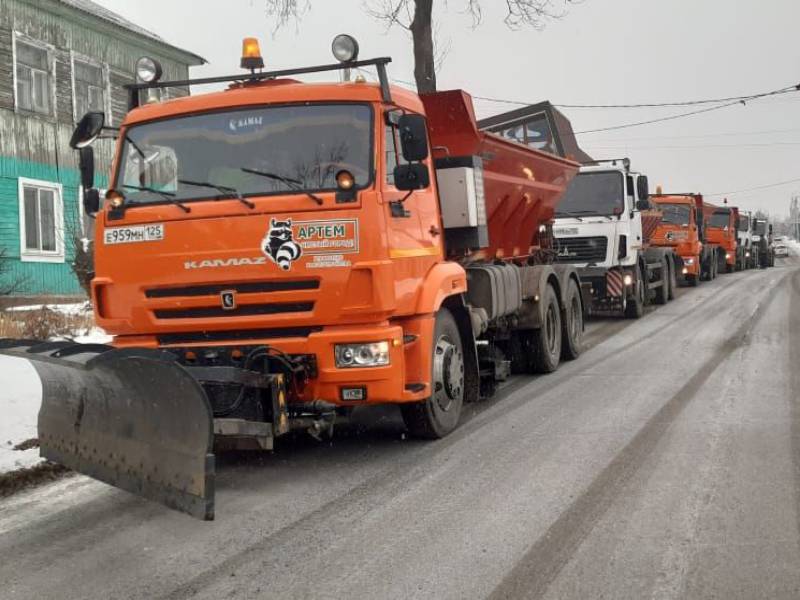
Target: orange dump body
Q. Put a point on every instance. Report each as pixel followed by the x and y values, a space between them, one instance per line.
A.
pixel 522 185
pixel 724 236
pixel 684 238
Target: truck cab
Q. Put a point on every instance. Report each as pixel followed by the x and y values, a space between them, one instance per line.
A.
pixel 762 239
pixel 602 226
pixel 721 231
pixel 682 227
pixel 744 239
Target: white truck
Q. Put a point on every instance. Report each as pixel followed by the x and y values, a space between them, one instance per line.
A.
pixel 603 226
pixel 744 239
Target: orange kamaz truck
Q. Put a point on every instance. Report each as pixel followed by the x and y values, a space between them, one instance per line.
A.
pixel 270 256
pixel 684 227
pixel 722 225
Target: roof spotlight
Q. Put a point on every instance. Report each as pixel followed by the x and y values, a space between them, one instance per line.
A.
pixel 148 70
pixel 345 48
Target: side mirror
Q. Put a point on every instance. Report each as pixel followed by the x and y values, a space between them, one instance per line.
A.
pixel 410 177
pixel 91 201
pixel 643 204
pixel 413 137
pixel 642 189
pixel 87 130
pixel 86 166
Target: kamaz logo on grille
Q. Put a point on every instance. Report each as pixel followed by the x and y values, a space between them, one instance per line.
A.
pixel 564 252
pixel 213 263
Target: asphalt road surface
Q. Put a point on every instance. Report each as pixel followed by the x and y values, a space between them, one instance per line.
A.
pixel 664 463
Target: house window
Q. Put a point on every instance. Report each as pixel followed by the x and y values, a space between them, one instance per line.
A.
pixel 33 78
pixel 41 221
pixel 90 88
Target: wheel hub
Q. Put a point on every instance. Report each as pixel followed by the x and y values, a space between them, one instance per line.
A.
pixel 448 373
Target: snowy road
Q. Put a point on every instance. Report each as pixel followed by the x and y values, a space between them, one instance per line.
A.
pixel 664 463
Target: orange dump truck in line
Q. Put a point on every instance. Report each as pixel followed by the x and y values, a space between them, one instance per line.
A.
pixel 270 256
pixel 722 225
pixel 683 227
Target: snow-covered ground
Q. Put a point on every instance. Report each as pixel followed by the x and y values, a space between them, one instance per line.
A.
pixel 21 393
pixel 20 396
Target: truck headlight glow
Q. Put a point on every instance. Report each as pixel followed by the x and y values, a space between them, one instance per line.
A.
pixel 727 256
pixel 368 354
pixel 747 254
pixel 688 261
pixel 627 280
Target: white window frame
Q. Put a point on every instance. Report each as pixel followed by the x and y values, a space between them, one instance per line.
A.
pixel 75 56
pixel 51 68
pixel 27 255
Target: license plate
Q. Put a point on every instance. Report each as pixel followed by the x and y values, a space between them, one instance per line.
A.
pixel 565 231
pixel 130 235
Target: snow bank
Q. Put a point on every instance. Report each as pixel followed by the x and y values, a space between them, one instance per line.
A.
pixel 76 308
pixel 20 397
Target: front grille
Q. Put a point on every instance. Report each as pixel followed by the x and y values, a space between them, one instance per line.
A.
pixel 244 287
pixel 190 337
pixel 581 249
pixel 245 310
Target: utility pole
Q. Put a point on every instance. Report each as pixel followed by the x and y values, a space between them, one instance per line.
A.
pixel 794 216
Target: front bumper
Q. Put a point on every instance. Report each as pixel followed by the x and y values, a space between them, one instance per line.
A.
pixel 329 383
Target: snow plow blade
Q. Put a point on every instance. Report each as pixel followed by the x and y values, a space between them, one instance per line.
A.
pixel 132 418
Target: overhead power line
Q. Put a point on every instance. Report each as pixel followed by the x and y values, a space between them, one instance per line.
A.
pixel 758 187
pixel 733 99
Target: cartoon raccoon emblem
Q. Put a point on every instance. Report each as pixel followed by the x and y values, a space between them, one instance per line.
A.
pixel 279 244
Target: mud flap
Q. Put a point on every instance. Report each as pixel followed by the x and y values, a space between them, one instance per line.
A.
pixel 132 418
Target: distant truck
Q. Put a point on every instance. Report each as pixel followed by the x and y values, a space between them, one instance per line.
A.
pixel 744 240
pixel 721 231
pixel 683 228
pixel 762 238
pixel 603 226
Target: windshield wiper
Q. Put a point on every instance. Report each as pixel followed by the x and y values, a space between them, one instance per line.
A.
pixel 568 214
pixel 292 183
pixel 166 195
pixel 224 190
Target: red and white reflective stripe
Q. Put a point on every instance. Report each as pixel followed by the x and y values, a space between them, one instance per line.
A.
pixel 614 283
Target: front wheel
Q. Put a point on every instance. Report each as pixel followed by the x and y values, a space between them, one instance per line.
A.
pixel 635 307
pixel 438 415
pixel 662 292
pixel 673 279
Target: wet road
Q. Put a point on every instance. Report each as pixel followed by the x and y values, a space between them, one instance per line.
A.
pixel 664 463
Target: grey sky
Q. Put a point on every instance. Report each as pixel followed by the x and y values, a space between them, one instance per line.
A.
pixel 604 51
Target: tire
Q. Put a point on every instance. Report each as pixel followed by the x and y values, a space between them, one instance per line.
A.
pixel 691 280
pixel 572 324
pixel 635 306
pixel 547 339
pixel 673 279
pixel 729 268
pixel 439 414
pixel 662 293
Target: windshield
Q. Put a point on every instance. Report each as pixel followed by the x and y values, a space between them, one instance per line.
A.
pixel 761 227
pixel 744 223
pixel 256 151
pixel 720 219
pixel 593 194
pixel 675 214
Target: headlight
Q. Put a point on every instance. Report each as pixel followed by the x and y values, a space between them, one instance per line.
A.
pixel 747 254
pixel 727 256
pixel 370 354
pixel 627 280
pixel 688 261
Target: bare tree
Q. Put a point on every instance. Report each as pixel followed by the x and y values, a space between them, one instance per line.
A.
pixel 416 16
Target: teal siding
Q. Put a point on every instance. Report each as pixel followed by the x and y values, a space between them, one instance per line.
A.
pixel 37 278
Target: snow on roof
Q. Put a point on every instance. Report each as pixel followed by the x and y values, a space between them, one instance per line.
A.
pixel 94 9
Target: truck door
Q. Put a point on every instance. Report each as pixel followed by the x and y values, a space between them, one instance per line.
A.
pixel 413 224
pixel 631 197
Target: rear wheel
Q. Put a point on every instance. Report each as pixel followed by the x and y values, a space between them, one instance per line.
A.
pixel 572 334
pixel 662 292
pixel 547 339
pixel 635 306
pixel 439 414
